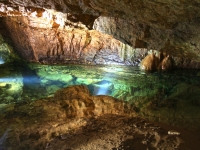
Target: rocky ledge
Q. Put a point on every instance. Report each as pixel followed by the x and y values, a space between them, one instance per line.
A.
pixel 77 120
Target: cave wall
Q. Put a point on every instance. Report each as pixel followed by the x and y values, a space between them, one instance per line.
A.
pixel 182 41
pixel 42 41
pixel 137 26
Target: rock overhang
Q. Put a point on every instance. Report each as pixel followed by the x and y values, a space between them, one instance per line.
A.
pixel 169 26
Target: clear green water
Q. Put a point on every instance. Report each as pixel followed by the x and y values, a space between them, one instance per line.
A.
pixel 169 97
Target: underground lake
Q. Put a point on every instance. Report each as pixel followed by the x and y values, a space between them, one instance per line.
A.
pixel 171 98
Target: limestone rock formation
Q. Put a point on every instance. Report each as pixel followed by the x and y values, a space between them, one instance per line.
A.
pixel 75 116
pixel 38 42
pixel 168 26
pixel 42 120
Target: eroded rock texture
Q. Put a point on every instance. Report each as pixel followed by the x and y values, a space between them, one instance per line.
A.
pixel 74 119
pixel 181 41
pixel 168 26
pixel 40 121
pixel 40 40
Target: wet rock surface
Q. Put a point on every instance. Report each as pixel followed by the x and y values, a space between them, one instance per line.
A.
pixel 41 120
pixel 116 132
pixel 74 119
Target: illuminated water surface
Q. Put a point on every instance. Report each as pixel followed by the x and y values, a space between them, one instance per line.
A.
pixel 169 97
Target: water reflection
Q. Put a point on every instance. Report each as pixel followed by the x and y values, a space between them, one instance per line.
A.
pixel 103 87
pixel 1 60
pixel 169 97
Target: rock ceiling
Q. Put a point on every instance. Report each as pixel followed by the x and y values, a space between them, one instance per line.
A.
pixel 172 26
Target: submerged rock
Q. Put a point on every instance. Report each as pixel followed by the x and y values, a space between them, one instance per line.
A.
pixel 11 84
pixel 80 103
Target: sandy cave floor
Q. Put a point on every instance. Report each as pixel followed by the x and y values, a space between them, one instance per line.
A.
pixel 113 132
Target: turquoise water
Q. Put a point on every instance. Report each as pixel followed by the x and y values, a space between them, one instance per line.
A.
pixel 38 81
pixel 169 97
